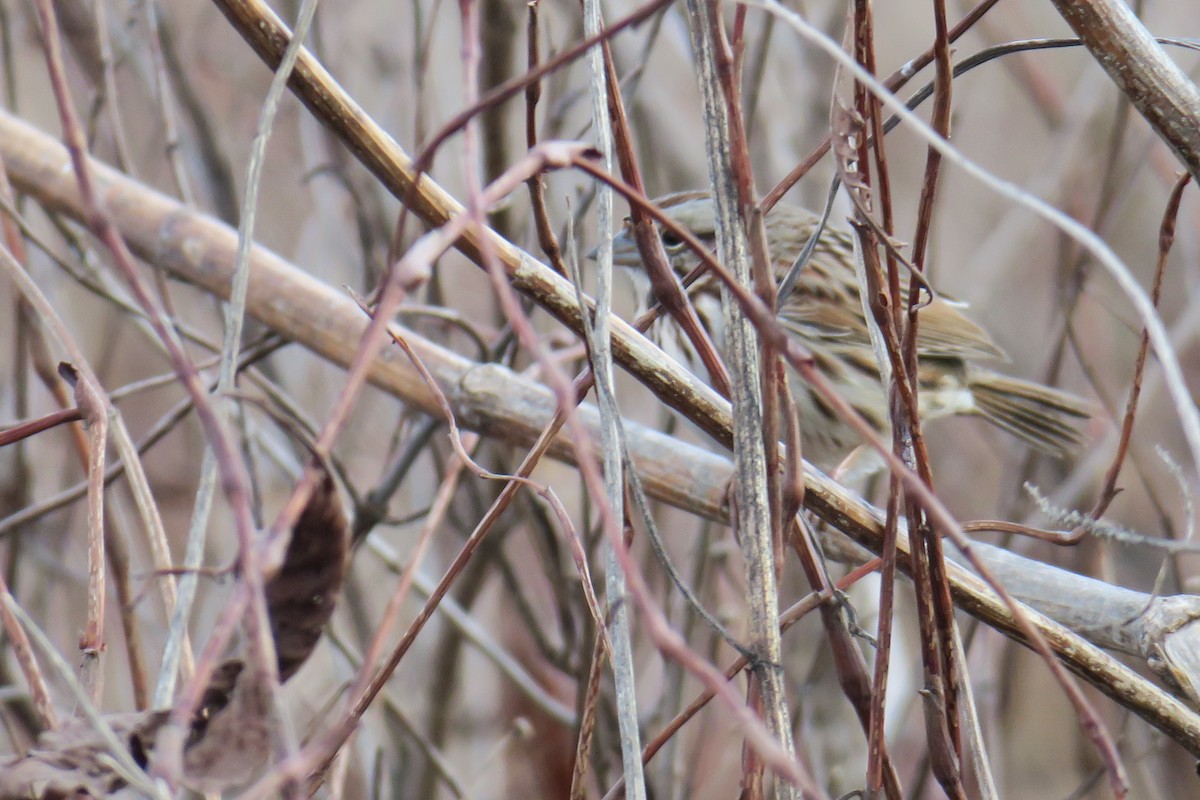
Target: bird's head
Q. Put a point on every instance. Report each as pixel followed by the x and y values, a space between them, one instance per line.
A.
pixel 691 210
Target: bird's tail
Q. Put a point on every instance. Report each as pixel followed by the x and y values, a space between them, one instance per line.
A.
pixel 1046 418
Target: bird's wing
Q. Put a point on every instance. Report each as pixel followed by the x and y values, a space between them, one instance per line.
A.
pixel 943 332
pixel 946 331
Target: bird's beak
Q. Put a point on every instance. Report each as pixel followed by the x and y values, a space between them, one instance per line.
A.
pixel 624 251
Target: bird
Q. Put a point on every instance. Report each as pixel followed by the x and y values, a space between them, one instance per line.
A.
pixel 824 313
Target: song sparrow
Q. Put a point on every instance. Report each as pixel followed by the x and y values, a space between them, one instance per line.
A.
pixel 826 315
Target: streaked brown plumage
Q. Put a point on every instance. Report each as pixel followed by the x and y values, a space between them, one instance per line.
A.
pixel 825 314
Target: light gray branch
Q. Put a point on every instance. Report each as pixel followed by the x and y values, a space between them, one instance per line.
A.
pixel 742 348
pixel 1140 68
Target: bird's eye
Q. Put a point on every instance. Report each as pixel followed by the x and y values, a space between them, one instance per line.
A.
pixel 671 240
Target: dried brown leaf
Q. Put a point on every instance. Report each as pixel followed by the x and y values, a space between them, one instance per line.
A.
pixel 228 745
pixel 301 596
pixel 230 740
pixel 71 762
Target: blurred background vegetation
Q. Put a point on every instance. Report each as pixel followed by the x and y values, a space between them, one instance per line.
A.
pixel 1049 121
